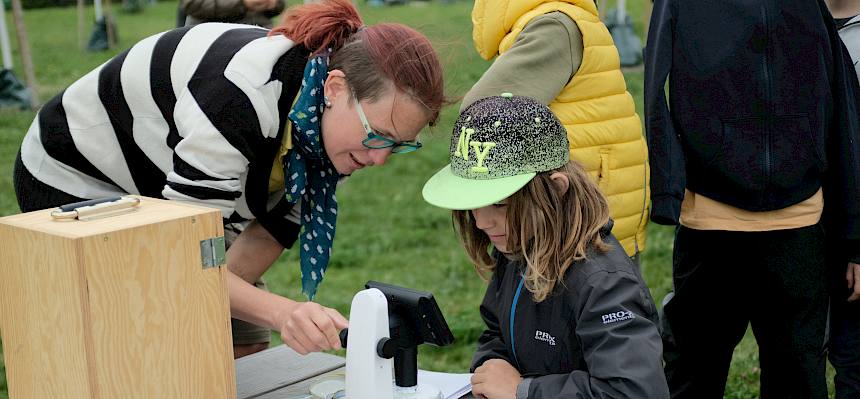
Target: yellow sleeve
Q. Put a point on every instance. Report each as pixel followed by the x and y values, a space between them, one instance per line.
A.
pixel 276 179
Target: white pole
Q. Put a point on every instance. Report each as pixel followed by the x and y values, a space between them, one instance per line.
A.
pixel 98 6
pixel 622 12
pixel 4 39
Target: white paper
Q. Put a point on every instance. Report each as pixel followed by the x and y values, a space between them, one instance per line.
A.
pixel 453 386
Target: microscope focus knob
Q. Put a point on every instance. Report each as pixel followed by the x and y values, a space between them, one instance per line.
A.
pixel 386 347
pixel 343 334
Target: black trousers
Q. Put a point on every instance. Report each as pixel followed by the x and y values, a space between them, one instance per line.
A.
pixel 724 281
pixel 844 351
pixel 34 195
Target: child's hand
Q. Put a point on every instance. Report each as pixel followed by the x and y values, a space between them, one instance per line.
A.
pixel 853 278
pixel 495 379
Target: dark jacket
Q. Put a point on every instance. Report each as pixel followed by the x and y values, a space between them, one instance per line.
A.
pixel 763 107
pixel 594 337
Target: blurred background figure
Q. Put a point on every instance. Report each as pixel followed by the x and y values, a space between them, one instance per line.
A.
pixel 626 40
pixel 251 12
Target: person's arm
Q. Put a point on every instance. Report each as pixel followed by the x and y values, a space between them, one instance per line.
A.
pixel 304 326
pixel 619 342
pixel 214 10
pixel 666 158
pixel 842 178
pixel 208 165
pixel 541 62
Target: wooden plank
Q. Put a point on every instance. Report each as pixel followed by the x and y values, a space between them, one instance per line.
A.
pixel 42 322
pixel 271 370
pixel 146 313
pixel 150 211
pixel 110 308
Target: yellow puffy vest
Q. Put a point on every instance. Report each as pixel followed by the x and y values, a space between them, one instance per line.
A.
pixel 603 129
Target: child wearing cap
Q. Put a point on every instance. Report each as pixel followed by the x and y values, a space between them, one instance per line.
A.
pixel 567 311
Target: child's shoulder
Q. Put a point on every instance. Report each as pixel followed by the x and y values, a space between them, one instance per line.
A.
pixel 603 264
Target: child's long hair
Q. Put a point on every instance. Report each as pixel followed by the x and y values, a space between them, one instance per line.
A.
pixel 547 230
pixel 373 57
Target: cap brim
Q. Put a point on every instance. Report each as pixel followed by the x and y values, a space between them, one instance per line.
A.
pixel 449 191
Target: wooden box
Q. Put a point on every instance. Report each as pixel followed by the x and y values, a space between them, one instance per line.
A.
pixel 120 307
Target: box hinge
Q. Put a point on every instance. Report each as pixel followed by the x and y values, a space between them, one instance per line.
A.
pixel 212 252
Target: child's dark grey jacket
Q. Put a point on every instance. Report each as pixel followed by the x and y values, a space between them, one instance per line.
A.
pixel 594 337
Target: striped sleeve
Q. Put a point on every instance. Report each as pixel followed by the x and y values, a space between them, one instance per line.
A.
pixel 228 118
pixel 192 114
pixel 219 128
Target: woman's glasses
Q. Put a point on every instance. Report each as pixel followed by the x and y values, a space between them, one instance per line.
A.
pixel 375 141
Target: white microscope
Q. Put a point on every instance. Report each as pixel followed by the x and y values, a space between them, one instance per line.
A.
pixel 386 325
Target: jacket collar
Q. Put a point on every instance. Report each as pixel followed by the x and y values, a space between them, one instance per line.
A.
pixel 607 228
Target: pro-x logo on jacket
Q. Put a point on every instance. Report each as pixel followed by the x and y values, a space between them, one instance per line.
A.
pixel 544 336
pixel 620 315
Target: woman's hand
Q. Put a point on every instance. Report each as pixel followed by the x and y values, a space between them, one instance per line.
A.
pixel 305 326
pixel 496 379
pixel 310 327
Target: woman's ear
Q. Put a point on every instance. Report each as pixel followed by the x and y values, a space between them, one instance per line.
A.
pixel 561 182
pixel 335 85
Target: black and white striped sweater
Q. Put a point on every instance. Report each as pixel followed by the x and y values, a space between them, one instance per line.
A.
pixel 195 114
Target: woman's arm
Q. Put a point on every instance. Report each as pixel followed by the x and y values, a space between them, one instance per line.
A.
pixel 304 326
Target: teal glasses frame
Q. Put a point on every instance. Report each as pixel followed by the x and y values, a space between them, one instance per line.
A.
pixel 378 142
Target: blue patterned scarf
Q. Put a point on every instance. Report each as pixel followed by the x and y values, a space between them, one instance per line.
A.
pixel 311 176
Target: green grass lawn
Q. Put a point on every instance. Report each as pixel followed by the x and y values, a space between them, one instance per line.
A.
pixel 386 232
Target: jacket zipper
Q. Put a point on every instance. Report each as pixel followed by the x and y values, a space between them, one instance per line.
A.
pixel 513 316
pixel 767 102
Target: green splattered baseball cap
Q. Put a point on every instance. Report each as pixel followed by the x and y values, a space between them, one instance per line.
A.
pixel 499 144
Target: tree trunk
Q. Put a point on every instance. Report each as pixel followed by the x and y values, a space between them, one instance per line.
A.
pixel 111 35
pixel 82 41
pixel 24 47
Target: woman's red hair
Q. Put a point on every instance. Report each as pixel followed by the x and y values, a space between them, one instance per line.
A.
pixel 320 26
pixel 372 58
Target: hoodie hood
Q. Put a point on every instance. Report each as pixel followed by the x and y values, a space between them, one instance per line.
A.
pixel 493 20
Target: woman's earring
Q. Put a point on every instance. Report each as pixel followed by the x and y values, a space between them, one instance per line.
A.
pixel 327 102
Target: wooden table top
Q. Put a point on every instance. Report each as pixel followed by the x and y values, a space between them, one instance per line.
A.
pixel 281 373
